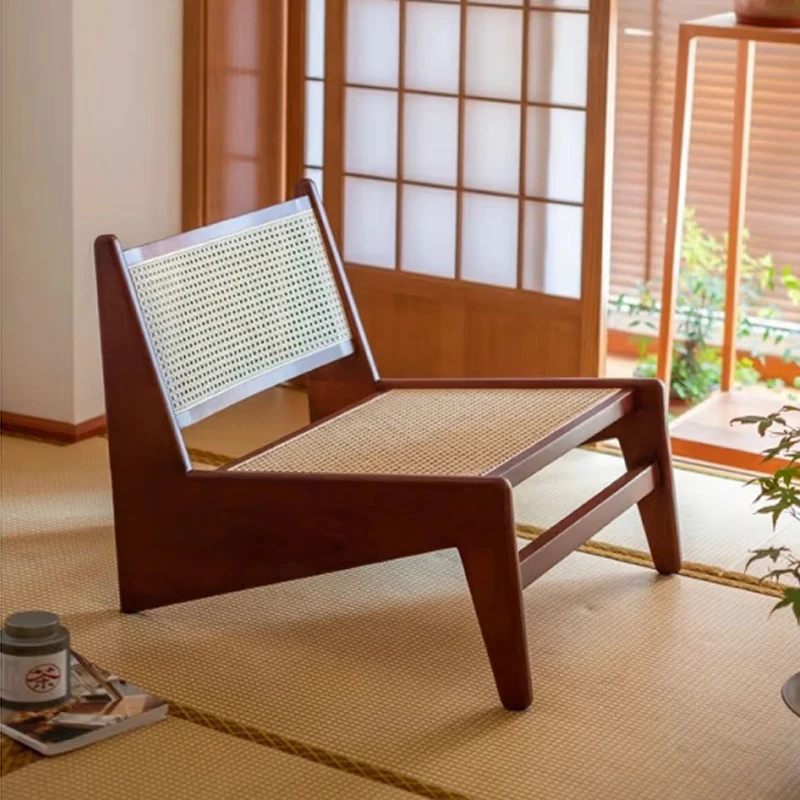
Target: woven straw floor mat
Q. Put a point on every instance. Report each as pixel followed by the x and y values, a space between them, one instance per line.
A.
pixel 718 526
pixel 176 760
pixel 430 432
pixel 646 687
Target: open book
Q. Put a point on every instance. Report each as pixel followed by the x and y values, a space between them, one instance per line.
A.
pixel 102 705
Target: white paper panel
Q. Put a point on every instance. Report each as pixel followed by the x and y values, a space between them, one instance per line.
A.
pixel 369 222
pixel 505 2
pixel 371 132
pixel 555 153
pixel 553 248
pixel 429 231
pixel 315 111
pixel 316 175
pixel 489 239
pixel 558 58
pixel 373 33
pixel 491 146
pixel 579 5
pixel 315 38
pixel 242 123
pixel 494 52
pixel 432 47
pixel 431 139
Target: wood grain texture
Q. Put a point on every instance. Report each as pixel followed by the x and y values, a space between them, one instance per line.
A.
pixel 246 62
pixel 52 429
pixel 430 327
pixel 644 438
pixel 193 159
pixel 333 147
pixel 272 119
pixel 295 93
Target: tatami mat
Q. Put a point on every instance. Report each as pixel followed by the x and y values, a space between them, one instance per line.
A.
pixel 646 687
pixel 181 761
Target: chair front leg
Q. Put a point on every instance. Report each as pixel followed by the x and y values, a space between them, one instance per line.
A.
pixel 492 571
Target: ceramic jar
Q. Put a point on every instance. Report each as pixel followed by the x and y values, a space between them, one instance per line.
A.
pixel 34 656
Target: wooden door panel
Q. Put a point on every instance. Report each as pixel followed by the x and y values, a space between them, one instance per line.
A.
pixel 412 323
pixel 522 344
pixel 424 327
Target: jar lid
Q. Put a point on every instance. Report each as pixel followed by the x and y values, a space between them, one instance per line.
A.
pixel 32 625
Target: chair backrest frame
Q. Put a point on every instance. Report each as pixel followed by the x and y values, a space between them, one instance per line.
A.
pixel 195 253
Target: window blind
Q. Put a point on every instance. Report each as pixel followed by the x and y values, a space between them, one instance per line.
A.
pixel 648 42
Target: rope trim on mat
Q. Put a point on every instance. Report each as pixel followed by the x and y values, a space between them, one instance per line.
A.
pixel 15 756
pixel 690 569
pixel 317 755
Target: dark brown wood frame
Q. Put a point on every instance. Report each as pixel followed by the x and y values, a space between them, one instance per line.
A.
pixel 184 534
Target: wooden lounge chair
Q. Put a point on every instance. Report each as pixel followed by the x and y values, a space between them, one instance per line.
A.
pixel 387 469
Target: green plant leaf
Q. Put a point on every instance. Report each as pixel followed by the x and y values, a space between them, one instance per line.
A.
pixel 791 598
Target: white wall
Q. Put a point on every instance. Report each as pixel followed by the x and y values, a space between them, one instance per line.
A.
pixel 91 143
pixel 36 214
pixel 127 57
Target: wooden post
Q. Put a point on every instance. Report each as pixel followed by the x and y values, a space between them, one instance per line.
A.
pixel 743 104
pixel 681 130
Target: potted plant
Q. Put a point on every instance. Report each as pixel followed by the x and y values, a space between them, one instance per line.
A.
pixel 700 301
pixel 779 496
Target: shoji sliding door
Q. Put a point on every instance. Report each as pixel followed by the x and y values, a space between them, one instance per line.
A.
pixel 465 154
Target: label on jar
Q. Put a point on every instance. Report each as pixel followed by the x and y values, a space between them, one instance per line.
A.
pixel 34 679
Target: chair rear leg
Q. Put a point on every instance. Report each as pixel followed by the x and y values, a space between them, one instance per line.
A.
pixel 492 572
pixel 644 438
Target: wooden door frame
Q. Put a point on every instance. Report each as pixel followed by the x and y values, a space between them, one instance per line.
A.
pixel 195 88
pixel 598 184
pixel 203 87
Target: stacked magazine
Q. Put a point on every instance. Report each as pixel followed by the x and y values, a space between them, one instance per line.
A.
pixel 101 705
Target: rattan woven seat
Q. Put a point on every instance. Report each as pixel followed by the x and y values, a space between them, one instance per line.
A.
pixel 387 469
pixel 429 432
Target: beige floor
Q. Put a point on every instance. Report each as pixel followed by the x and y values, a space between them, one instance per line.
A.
pixel 645 687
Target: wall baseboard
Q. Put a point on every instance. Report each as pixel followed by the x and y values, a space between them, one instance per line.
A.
pixel 50 429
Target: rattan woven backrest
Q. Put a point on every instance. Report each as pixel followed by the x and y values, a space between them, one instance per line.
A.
pixel 242 311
